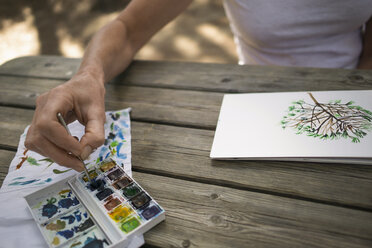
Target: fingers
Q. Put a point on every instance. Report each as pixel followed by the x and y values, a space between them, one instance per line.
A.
pixel 58 155
pixel 81 99
pixel 94 133
pixel 47 136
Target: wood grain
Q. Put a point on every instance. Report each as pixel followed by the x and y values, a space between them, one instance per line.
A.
pixel 5 159
pixel 203 215
pixel 202 76
pixel 184 153
pixel 211 203
pixel 176 107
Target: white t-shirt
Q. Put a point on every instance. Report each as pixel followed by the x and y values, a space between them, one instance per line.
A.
pixel 313 33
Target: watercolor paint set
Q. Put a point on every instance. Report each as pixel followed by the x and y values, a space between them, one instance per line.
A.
pixel 106 212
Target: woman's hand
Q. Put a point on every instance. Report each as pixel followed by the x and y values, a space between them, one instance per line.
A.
pixel 82 99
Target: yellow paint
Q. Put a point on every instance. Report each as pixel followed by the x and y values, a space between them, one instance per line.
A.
pixel 55 241
pixel 107 166
pixel 75 244
pixel 92 174
pixel 120 213
pixel 37 205
pixel 64 191
pixel 59 225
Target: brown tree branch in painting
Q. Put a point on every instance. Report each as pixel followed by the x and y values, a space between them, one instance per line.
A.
pixel 328 120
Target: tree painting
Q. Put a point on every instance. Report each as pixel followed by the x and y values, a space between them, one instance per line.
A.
pixel 328 121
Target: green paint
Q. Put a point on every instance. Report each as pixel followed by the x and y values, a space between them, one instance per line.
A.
pixel 32 161
pixel 130 225
pixel 114 144
pixel 55 171
pixel 330 121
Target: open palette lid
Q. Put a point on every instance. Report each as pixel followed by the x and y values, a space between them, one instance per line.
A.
pixel 74 213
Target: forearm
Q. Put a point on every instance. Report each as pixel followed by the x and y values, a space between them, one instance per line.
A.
pixel 113 47
pixel 365 61
pixel 108 53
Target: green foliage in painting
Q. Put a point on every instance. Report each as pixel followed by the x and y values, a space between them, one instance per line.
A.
pixel 330 121
pixel 32 161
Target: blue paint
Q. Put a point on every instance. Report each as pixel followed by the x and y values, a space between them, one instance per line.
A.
pixel 17 178
pixel 111 136
pixel 70 218
pixel 65 203
pixel 103 151
pixel 78 215
pixel 84 226
pixel 94 242
pixel 48 180
pixel 89 239
pixel 24 183
pixel 123 123
pixel 108 154
pixel 49 210
pixel 118 154
pixel 66 233
pixel 120 134
pixel 97 243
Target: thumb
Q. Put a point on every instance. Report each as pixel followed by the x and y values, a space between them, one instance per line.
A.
pixel 94 136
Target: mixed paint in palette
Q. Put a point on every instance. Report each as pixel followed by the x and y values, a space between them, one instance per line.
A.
pixel 104 213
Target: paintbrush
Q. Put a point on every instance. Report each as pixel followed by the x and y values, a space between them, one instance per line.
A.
pixel 62 121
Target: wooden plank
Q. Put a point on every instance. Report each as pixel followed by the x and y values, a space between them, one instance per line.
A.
pixel 5 159
pixel 202 215
pixel 177 107
pixel 184 153
pixel 202 76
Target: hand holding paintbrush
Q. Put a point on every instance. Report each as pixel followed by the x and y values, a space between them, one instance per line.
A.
pixel 62 121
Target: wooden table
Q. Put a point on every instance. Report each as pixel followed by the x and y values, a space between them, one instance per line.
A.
pixel 212 203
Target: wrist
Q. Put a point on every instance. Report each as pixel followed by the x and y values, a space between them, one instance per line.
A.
pixel 92 71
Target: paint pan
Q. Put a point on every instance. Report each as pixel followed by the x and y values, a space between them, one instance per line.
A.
pixel 73 213
pixel 122 182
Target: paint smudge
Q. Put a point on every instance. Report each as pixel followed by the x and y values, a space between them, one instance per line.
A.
pixel 131 191
pixel 120 213
pixel 112 202
pixel 70 218
pixel 55 241
pixel 93 174
pixel 67 226
pixel 130 224
pixel 66 233
pixel 17 178
pixel 84 226
pixel 23 159
pixel 121 183
pixel 61 202
pixel 104 193
pixel 141 200
pixel 91 239
pixel 97 243
pixel 50 209
pixel 24 183
pixel 116 174
pixel 63 192
pixel 59 225
pixel 75 244
pixel 97 184
pixel 107 166
pixel 68 202
pixel 150 212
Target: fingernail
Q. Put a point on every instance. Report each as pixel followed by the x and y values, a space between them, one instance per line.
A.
pixel 87 150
